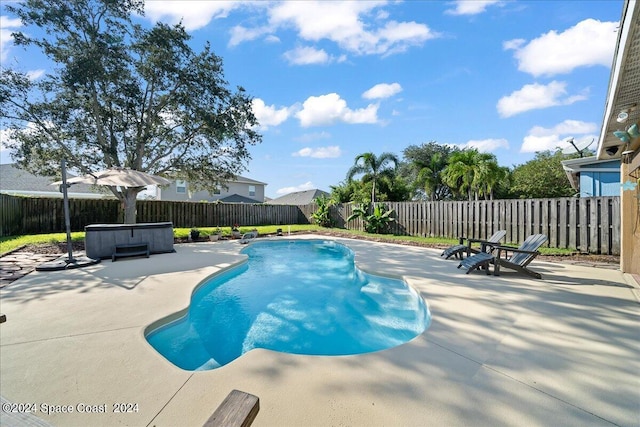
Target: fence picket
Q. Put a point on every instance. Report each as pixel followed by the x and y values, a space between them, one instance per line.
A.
pixel 587 224
pixel 594 225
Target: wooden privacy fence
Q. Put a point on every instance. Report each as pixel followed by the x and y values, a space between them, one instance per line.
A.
pixel 202 214
pixel 35 215
pixel 589 224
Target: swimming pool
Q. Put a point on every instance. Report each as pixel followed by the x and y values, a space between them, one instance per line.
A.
pixel 293 296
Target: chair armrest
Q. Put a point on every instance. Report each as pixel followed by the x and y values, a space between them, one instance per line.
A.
pixel 492 245
pixel 478 241
pixel 512 249
pixel 508 249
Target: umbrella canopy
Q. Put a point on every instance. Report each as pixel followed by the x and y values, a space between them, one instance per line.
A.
pixel 119 177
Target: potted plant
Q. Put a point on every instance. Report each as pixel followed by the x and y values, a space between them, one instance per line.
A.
pixel 194 234
pixel 215 236
pixel 235 231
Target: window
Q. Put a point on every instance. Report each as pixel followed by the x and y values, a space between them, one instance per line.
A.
pixel 181 186
pixel 252 190
pixel 216 190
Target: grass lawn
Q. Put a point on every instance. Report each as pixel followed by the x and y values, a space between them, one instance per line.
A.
pixel 11 243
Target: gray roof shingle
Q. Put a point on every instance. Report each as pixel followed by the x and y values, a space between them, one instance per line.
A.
pixel 298 197
pixel 15 180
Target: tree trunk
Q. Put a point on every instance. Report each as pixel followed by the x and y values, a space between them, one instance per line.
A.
pixel 373 192
pixel 373 197
pixel 130 195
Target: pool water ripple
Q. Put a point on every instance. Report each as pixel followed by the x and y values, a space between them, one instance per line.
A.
pixel 293 296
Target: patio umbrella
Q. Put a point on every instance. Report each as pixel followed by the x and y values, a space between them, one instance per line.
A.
pixel 70 261
pixel 119 177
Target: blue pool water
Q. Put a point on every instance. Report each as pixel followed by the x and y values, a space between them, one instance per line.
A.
pixel 301 297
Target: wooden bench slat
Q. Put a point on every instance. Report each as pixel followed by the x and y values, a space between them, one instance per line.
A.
pixel 237 409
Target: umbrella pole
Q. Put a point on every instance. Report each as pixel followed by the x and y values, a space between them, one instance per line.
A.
pixel 70 262
pixel 67 221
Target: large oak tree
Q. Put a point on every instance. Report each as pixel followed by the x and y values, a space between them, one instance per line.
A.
pixel 122 95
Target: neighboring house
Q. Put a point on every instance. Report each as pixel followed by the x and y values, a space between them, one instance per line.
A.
pixel 617 139
pixel 592 177
pixel 19 182
pixel 298 198
pixel 240 190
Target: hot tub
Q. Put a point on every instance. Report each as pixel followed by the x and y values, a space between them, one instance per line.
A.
pixel 101 239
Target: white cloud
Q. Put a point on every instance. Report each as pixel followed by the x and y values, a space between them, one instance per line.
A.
pixel 9 137
pixel 269 115
pixel 272 39
pixel 330 152
pixel 570 127
pixel 482 145
pixel 536 96
pixel 309 55
pixel 470 7
pixel 513 44
pixel 588 43
pixel 302 187
pixel 533 143
pixel 331 108
pixel 397 37
pixel 7 26
pixel 344 24
pixel 5 136
pixel 382 90
pixel 194 14
pixel 241 34
pixel 35 74
pixel 355 26
pixel 487 145
pixel 540 138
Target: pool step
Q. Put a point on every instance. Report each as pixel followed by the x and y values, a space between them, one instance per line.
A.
pixel 131 249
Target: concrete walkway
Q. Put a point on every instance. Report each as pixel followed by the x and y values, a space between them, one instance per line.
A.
pixel 505 350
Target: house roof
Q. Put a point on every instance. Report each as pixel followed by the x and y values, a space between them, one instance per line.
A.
pixel 624 88
pixel 298 197
pixel 14 180
pixel 236 198
pixel 246 180
pixel 573 167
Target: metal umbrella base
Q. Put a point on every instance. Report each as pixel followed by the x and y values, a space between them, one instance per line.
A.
pixel 66 264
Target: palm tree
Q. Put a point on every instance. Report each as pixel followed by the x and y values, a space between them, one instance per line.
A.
pixel 488 176
pixel 461 170
pixel 373 169
pixel 474 173
pixel 430 177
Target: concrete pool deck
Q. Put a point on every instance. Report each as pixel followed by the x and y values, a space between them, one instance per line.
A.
pixel 508 350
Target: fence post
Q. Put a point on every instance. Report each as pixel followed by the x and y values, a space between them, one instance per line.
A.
pixel 587 224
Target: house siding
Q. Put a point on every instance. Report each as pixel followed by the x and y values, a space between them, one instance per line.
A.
pixel 240 188
pixel 596 184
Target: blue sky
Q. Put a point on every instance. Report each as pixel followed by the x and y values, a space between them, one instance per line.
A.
pixel 335 79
